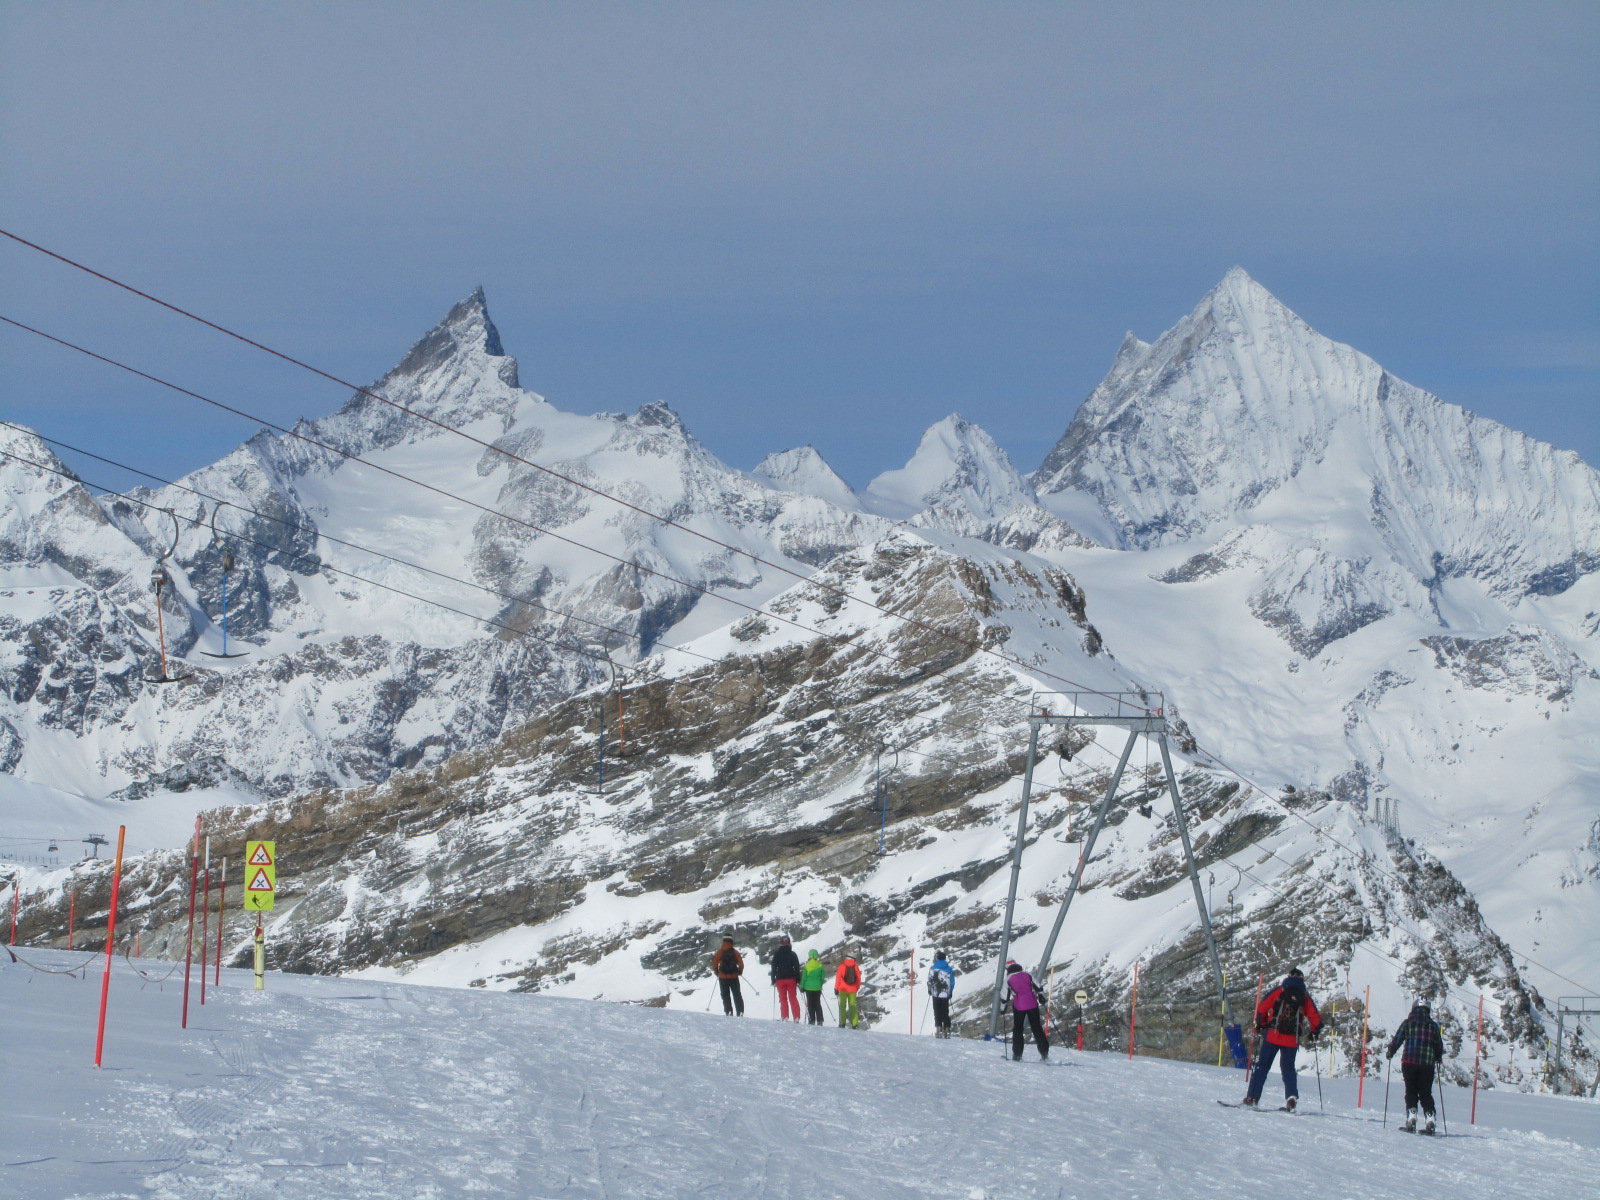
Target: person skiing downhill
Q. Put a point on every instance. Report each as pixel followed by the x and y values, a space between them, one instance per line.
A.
pixel 1024 1007
pixel 812 976
pixel 846 983
pixel 1424 1048
pixel 728 963
pixel 1279 1015
pixel 784 971
pixel 941 987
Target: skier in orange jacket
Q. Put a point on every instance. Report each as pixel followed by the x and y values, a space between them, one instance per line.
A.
pixel 846 983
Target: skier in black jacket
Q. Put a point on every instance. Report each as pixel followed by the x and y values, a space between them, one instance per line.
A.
pixel 784 970
pixel 1424 1048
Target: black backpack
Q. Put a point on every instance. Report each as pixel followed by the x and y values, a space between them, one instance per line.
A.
pixel 1290 1001
pixel 730 962
pixel 851 975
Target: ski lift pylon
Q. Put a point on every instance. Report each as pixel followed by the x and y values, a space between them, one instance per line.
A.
pixel 227 567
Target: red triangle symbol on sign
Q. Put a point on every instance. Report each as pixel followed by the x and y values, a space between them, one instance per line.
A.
pixel 260 883
pixel 259 857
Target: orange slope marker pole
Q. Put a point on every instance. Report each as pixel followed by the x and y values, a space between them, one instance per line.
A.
pixel 72 914
pixel 111 938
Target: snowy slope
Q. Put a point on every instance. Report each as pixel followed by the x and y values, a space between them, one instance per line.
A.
pixel 352 1090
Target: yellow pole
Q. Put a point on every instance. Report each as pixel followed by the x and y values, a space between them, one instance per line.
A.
pixel 261 957
pixel 1221 1029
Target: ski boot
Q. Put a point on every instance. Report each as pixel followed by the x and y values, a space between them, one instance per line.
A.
pixel 1411 1121
pixel 1290 1103
pixel 1249 1102
pixel 1428 1128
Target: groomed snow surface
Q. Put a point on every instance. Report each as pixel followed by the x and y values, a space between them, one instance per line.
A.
pixel 328 1087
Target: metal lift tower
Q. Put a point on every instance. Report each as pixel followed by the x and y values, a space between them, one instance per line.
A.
pixel 1138 713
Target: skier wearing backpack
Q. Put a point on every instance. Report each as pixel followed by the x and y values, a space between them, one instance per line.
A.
pixel 784 971
pixel 1024 1007
pixel 846 983
pixel 728 963
pixel 812 975
pixel 941 987
pixel 1279 1015
pixel 1424 1048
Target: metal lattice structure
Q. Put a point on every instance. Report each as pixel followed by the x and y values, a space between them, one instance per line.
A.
pixel 1141 714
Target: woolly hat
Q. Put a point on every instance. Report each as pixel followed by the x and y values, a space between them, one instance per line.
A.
pixel 1294 973
pixel 727 939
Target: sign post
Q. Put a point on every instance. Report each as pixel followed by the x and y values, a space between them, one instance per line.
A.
pixel 1082 997
pixel 260 894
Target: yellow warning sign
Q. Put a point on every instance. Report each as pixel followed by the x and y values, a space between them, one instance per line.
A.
pixel 260 875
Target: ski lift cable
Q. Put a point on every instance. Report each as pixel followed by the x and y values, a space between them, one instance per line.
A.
pixel 839 638
pixel 972 644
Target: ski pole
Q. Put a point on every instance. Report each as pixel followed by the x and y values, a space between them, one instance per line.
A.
pixel 1388 1064
pixel 712 996
pixel 1317 1059
pixel 1444 1120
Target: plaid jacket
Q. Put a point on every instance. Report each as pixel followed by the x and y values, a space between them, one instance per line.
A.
pixel 1419 1034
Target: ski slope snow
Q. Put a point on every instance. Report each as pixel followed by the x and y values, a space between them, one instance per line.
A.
pixel 329 1087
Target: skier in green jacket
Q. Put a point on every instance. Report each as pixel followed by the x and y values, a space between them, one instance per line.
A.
pixel 812 975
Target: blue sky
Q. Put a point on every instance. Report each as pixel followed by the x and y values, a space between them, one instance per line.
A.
pixel 825 223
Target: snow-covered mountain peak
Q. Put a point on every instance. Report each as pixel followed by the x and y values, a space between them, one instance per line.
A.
pixel 956 463
pixel 804 471
pixel 1242 413
pixel 466 329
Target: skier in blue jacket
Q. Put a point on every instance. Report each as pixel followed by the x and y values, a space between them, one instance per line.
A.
pixel 941 987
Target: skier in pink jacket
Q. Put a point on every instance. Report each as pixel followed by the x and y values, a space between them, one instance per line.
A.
pixel 1024 1007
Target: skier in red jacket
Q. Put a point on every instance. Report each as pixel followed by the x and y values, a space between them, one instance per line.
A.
pixel 1279 1015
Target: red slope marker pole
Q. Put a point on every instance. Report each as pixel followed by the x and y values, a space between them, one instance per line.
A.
pixel 1477 1057
pixel 911 1015
pixel 222 902
pixel 1133 1012
pixel 205 923
pixel 72 914
pixel 188 954
pixel 111 936
pixel 14 898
